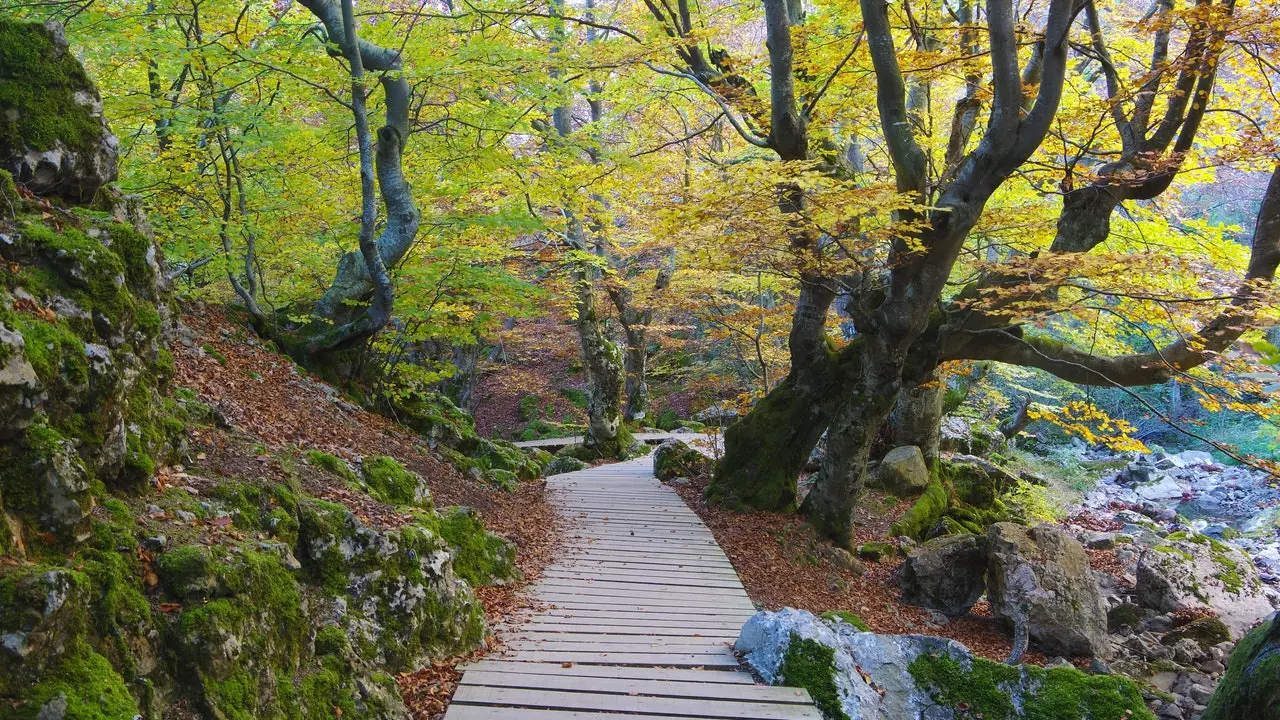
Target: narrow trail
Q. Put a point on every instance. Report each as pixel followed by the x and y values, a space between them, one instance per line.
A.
pixel 636 618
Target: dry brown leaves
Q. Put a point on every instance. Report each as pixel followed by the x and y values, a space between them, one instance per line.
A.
pixel 777 557
pixel 269 400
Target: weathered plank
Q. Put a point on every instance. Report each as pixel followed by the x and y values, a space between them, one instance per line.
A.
pixel 557 700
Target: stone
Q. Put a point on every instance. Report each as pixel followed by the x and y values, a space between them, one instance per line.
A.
pixel 903 472
pixel 20 388
pixel 55 140
pixel 561 464
pixel 1190 572
pixel 945 574
pixel 868 676
pixel 1040 576
pixel 1162 488
pixel 675 458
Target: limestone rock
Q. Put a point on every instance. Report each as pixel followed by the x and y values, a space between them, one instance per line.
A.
pixel 1041 576
pixel 946 574
pixel 53 137
pixel 20 388
pixel 867 676
pixel 674 459
pixel 1193 571
pixel 903 471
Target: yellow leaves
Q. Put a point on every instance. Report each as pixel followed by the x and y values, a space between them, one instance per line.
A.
pixel 1090 423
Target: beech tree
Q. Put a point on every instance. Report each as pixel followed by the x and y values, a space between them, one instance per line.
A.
pixel 904 329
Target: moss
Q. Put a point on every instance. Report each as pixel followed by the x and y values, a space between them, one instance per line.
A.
pixel 877 551
pixel 984 688
pixel 39 82
pixel 10 203
pixel 1205 631
pixel 529 407
pixel 1125 615
pixel 479 557
pixel 1251 686
pixel 332 464
pixel 331 640
pixel 389 481
pixel 846 616
pixel 86 686
pixel 668 420
pixel 811 665
pixel 214 353
pixel 576 396
pixel 923 514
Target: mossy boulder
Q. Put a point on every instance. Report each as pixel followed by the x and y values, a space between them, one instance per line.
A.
pixel 452 432
pixel 561 464
pixel 946 574
pixel 920 517
pixel 674 459
pixel 1207 632
pixel 855 674
pixel 395 591
pixel 1190 571
pixel 84 376
pixel 387 480
pixel 53 137
pixel 1251 686
pixel 877 551
pixel 479 556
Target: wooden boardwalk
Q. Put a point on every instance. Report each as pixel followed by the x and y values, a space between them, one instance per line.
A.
pixel 647 438
pixel 636 619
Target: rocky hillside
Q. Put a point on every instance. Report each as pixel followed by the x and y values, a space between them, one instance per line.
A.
pixel 173 545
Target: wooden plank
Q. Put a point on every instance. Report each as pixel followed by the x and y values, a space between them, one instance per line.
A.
pixel 556 700
pixel 690 660
pixel 706 677
pixel 637 588
pixel 656 688
pixel 614 614
pixel 638 630
pixel 566 599
pixel 658 648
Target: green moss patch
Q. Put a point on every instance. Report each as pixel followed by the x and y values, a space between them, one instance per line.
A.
pixel 811 665
pixel 988 689
pixel 389 481
pixel 921 516
pixel 38 83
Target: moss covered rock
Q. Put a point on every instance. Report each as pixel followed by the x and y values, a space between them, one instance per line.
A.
pixel 1190 571
pixel 946 574
pixel 674 459
pixel 395 591
pixel 389 481
pixel 903 472
pixel 1251 686
pixel 921 516
pixel 561 464
pixel 53 137
pixel 856 674
pixel 1040 577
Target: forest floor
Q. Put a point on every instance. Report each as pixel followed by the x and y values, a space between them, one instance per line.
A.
pixel 782 562
pixel 271 412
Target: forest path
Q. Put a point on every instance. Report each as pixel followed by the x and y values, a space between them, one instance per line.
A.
pixel 636 618
pixel 647 438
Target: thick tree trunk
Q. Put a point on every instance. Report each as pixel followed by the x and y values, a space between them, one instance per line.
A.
pixel 850 434
pixel 766 450
pixel 917 417
pixel 603 365
pixel 635 364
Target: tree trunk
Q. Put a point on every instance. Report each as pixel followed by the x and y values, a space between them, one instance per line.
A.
pixel 853 427
pixel 603 365
pixel 917 418
pixel 766 451
pixel 635 365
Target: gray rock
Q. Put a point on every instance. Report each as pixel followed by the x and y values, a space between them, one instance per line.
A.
pixel 561 464
pixel 946 574
pixel 674 458
pixel 903 471
pixel 1040 576
pixel 20 389
pixel 1195 572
